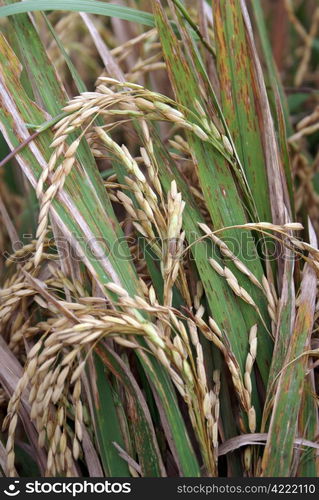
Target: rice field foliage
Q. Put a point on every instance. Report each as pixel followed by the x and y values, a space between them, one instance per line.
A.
pixel 159 220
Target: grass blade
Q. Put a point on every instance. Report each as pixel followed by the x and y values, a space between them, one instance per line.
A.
pixel 108 427
pixel 90 6
pixel 217 184
pixel 277 458
pixel 144 434
pixel 239 97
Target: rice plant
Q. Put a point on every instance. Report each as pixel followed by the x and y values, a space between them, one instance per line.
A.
pixel 159 210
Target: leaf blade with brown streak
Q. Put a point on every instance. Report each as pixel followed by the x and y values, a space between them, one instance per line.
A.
pixel 219 189
pixel 239 98
pixel 144 435
pixel 277 457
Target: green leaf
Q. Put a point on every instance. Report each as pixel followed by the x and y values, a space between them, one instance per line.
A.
pixel 143 430
pixel 75 75
pixel 223 203
pixel 108 427
pixel 224 307
pixel 278 454
pixel 90 6
pixel 308 428
pixel 239 98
